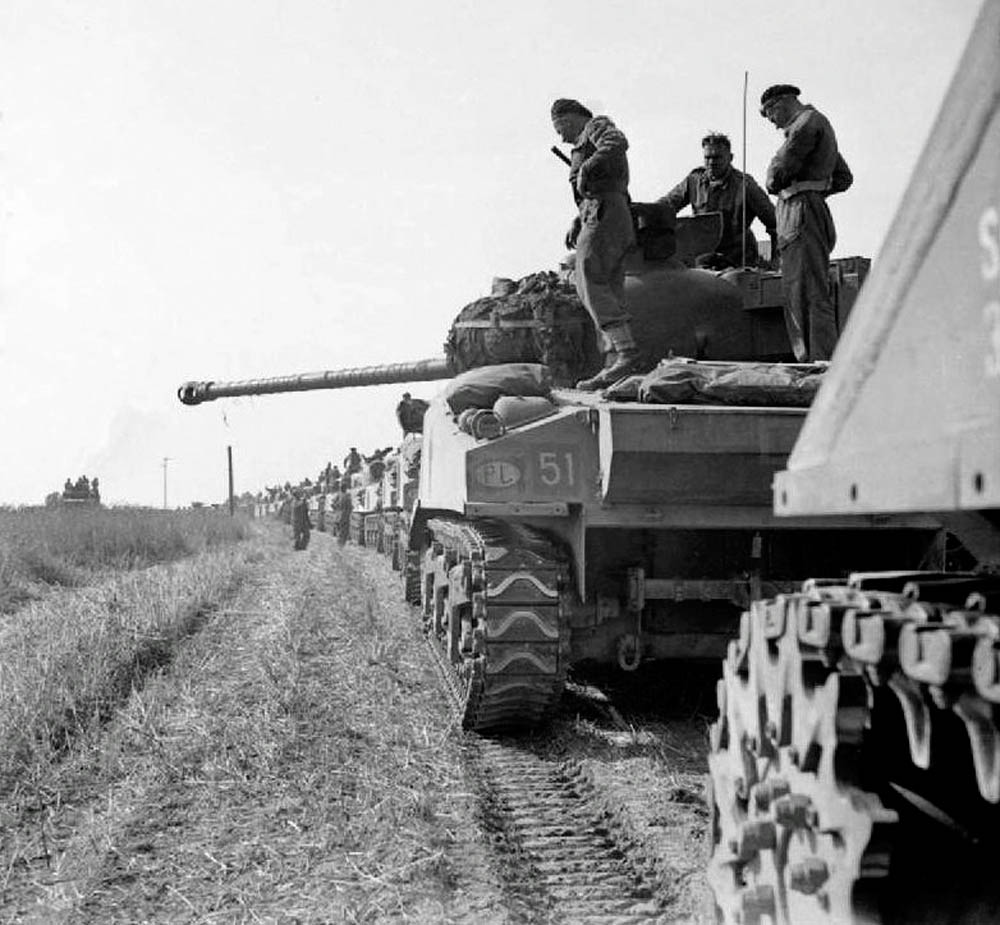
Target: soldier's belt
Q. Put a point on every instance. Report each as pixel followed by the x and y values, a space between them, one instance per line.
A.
pixel 804 186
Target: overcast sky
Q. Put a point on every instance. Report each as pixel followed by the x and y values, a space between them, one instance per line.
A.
pixel 222 189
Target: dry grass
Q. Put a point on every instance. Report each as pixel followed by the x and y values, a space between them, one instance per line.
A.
pixel 294 763
pixel 67 546
pixel 68 660
pixel 287 757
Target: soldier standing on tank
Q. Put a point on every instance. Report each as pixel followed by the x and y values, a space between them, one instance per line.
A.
pixel 352 461
pixel 718 187
pixel 410 414
pixel 300 520
pixel 602 232
pixel 807 168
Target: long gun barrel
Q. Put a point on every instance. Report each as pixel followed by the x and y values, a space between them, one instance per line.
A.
pixel 194 393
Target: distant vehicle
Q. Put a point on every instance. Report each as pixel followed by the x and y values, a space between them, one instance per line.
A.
pixel 83 492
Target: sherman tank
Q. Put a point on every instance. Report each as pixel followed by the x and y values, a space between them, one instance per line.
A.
pixel 550 527
pixel 855 764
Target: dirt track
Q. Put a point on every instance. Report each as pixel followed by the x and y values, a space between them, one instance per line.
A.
pixel 296 762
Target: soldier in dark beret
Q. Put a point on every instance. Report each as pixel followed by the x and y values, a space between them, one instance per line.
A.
pixel 807 169
pixel 602 232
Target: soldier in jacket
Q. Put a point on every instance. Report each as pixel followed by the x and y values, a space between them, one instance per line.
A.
pixel 301 524
pixel 807 168
pixel 344 508
pixel 718 187
pixel 602 232
pixel 410 414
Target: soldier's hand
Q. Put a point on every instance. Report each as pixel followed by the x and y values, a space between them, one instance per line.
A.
pixel 573 234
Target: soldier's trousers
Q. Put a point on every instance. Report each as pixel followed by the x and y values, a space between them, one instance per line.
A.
pixel 806 236
pixel 606 237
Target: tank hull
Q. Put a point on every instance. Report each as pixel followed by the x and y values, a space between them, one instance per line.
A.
pixel 662 512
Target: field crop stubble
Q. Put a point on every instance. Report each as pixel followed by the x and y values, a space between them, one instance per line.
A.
pixel 293 763
pixel 68 657
pixel 42 548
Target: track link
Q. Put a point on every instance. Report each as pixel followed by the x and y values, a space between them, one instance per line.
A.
pixel 804 820
pixel 492 596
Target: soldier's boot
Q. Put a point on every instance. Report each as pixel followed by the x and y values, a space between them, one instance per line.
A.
pixel 626 361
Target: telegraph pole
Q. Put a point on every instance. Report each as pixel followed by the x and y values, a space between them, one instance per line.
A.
pixel 232 500
pixel 166 459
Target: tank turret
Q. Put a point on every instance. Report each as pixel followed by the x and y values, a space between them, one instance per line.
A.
pixel 539 319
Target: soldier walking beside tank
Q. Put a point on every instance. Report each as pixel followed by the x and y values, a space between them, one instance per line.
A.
pixel 807 168
pixel 344 508
pixel 718 187
pixel 602 232
pixel 300 520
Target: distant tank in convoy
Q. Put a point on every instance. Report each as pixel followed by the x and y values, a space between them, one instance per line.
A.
pixel 550 527
pixel 82 493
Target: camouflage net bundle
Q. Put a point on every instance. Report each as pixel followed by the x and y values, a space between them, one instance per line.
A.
pixel 538 319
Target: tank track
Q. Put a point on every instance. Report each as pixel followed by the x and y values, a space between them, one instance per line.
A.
pixel 493 599
pixel 804 820
pixel 559 858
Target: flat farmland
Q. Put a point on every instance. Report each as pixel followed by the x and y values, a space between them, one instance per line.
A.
pixel 268 741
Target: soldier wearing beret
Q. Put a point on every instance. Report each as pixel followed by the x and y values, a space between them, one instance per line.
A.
pixel 807 168
pixel 602 232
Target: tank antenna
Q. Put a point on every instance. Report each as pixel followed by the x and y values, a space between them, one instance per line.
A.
pixel 743 216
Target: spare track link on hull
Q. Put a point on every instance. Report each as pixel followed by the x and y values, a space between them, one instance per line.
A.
pixel 800 830
pixel 492 595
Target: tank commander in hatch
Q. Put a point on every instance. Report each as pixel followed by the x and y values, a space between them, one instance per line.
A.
pixel 718 187
pixel 602 232
pixel 807 168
